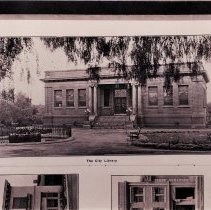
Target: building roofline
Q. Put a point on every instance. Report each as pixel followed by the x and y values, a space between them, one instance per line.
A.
pixel 84 78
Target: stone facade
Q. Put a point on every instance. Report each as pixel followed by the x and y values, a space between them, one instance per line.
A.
pixel 162 193
pixel 71 97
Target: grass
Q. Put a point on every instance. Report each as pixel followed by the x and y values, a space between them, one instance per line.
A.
pixel 176 140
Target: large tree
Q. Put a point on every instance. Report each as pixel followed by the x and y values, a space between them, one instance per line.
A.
pixel 20 111
pixel 143 53
pixel 10 49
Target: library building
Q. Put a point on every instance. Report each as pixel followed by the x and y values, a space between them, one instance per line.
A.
pixel 71 97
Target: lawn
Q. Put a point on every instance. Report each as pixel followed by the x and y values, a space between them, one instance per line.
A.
pixel 184 140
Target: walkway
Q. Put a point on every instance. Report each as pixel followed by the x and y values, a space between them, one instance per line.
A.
pixel 86 142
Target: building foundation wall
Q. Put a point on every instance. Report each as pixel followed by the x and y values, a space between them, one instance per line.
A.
pixel 67 120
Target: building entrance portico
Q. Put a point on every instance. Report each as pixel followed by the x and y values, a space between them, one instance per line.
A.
pixel 114 99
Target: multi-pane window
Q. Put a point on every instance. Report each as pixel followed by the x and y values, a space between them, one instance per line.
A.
pixel 158 194
pixel 19 203
pixel 70 98
pixel 185 193
pixel 82 97
pixel 168 96
pixel 136 194
pixel 106 97
pixel 153 95
pixel 50 201
pixel 183 94
pixel 58 98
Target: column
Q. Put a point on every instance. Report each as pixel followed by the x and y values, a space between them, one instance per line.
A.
pixel 90 99
pixel 95 99
pixel 134 99
pixel 123 199
pixel 139 100
pixel 199 183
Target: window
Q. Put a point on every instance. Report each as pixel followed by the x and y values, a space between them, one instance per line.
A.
pixel 183 94
pixel 168 96
pixel 50 201
pixel 185 192
pixel 52 180
pixel 45 195
pixel 70 98
pixel 120 93
pixel 137 194
pixel 158 194
pixel 82 97
pixel 153 96
pixel 19 203
pixel 58 98
pixel 106 97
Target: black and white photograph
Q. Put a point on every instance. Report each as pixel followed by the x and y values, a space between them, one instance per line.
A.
pixel 158 192
pixel 39 192
pixel 105 95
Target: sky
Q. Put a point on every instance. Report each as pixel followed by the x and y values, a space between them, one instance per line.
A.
pixel 39 60
pixel 42 59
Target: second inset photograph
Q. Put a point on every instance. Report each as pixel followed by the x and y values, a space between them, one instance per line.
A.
pixel 152 192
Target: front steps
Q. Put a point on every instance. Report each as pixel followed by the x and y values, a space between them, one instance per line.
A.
pixel 86 124
pixel 113 122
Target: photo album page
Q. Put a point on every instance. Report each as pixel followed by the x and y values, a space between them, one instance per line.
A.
pixel 105 113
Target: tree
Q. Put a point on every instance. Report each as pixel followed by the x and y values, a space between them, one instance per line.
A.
pixel 22 101
pixel 25 110
pixel 7 112
pixel 145 53
pixel 10 48
pixel 8 94
pixel 20 111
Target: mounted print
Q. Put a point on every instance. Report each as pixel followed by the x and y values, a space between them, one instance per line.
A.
pixel 45 191
pixel 97 95
pixel 176 192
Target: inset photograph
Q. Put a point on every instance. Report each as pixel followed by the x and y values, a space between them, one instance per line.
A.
pixel 105 95
pixel 151 192
pixel 39 192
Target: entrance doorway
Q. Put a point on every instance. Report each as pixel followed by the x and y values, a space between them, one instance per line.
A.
pixel 120 101
pixel 120 105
